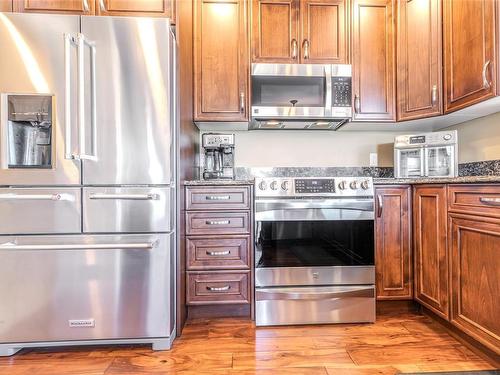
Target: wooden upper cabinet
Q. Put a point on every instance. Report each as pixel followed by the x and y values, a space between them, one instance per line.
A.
pixel 149 8
pixel 220 60
pixel 275 31
pixel 324 36
pixel 85 7
pixel 469 52
pixel 475 285
pixel 373 60
pixel 5 5
pixel 393 263
pixel 430 247
pixel 419 51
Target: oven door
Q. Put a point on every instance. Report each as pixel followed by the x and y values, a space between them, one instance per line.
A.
pixel 314 242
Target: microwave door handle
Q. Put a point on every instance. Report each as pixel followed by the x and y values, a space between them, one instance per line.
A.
pixel 328 93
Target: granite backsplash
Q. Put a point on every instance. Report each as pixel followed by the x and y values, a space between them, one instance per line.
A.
pixel 481 168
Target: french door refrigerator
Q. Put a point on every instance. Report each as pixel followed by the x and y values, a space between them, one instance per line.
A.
pixel 87 181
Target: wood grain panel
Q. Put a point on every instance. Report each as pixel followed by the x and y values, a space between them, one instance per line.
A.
pixel 218 198
pixel 5 5
pixel 218 287
pixel 373 60
pixel 212 253
pixel 86 7
pixel 148 8
pixel 469 44
pixel 274 27
pixel 324 25
pixel 475 289
pixel 208 223
pixel 475 199
pixel 393 262
pixel 430 248
pixel 419 60
pixel 221 63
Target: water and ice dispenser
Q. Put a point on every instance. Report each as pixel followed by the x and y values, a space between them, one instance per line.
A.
pixel 29 131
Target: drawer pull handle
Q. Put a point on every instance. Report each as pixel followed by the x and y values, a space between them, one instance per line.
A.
pixel 220 289
pixel 217 197
pixel 218 253
pixel 217 222
pixel 490 201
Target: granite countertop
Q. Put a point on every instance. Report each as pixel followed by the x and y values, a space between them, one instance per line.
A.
pixel 444 180
pixel 218 182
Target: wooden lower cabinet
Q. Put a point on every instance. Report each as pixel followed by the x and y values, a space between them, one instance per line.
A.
pixel 430 247
pixel 475 281
pixel 393 262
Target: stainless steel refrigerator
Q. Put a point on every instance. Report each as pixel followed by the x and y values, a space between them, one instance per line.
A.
pixel 87 181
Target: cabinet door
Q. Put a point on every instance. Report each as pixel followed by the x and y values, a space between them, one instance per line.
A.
pixel 149 8
pixel 430 246
pixel 324 33
pixel 5 5
pixel 419 59
pixel 469 52
pixel 220 60
pixel 475 285
pixel 373 60
pixel 86 7
pixel 275 36
pixel 392 243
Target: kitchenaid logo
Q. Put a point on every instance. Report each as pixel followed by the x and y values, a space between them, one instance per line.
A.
pixel 76 323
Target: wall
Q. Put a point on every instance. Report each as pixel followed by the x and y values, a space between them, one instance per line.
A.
pixel 479 139
pixel 312 148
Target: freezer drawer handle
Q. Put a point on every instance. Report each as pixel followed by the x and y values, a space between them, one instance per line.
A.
pixel 103 246
pixel 217 222
pixel 490 201
pixel 137 197
pixel 218 253
pixel 269 294
pixel 221 289
pixel 37 197
pixel 217 197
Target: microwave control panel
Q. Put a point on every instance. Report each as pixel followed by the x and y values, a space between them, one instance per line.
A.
pixel 341 87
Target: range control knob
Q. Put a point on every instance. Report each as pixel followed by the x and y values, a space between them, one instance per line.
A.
pixel 274 185
pixel 365 185
pixel 284 185
pixel 342 185
pixel 262 185
pixel 353 185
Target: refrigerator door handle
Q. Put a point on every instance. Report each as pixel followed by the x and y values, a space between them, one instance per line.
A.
pixel 82 43
pixel 138 197
pixel 69 41
pixel 103 246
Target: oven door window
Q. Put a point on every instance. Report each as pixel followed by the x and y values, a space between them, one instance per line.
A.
pixel 315 243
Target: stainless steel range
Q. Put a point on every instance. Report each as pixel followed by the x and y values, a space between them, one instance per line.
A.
pixel 314 251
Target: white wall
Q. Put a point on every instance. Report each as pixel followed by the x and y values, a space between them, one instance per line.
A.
pixel 263 148
pixel 479 139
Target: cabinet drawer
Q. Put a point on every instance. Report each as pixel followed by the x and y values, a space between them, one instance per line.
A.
pixel 218 288
pixel 217 223
pixel 218 198
pixel 218 253
pixel 475 199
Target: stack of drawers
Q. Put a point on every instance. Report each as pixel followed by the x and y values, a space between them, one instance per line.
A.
pixel 218 244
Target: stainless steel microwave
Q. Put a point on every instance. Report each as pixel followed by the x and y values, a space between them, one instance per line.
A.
pixel 426 155
pixel 301 96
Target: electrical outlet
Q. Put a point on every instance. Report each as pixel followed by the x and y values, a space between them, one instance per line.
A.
pixel 373 159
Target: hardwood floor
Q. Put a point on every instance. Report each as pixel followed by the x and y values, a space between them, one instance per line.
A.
pixel 400 341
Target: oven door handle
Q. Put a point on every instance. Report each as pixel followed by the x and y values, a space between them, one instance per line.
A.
pixel 294 294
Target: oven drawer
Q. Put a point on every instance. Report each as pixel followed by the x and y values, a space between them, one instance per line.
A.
pixel 218 198
pixel 217 223
pixel 209 288
pixel 218 253
pixel 40 211
pixel 475 199
pixel 314 305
